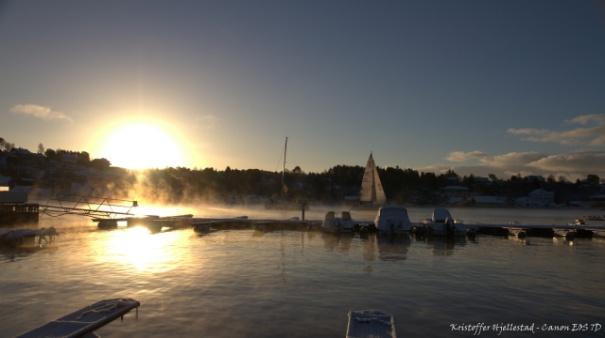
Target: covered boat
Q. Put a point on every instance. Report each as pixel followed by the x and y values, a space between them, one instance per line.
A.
pixel 443 224
pixel 331 223
pixel 392 220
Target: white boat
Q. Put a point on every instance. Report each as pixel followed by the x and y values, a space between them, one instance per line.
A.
pixel 443 224
pixel 589 221
pixel 370 324
pixel 331 223
pixel 371 192
pixel 392 220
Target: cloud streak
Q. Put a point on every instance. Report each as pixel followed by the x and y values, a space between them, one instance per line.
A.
pixel 461 156
pixel 40 112
pixel 586 131
pixel 571 165
pixel 591 132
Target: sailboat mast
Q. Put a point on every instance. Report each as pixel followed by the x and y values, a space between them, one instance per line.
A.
pixel 283 172
pixel 373 179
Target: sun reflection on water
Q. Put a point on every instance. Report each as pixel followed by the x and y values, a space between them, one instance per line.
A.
pixel 140 249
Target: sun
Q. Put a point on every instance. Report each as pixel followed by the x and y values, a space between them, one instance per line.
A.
pixel 141 145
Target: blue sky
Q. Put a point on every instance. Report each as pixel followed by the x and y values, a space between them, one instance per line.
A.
pixel 413 81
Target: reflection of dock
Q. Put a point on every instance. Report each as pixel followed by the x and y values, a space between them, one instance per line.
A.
pixel 521 231
pixel 214 224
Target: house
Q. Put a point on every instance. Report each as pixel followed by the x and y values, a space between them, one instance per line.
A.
pixel 456 194
pixel 489 200
pixel 537 198
pixel 482 180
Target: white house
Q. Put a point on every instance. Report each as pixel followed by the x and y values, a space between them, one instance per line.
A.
pixel 490 200
pixel 537 198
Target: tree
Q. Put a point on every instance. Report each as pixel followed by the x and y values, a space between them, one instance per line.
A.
pixel 50 153
pixel 40 148
pixel 99 163
pixel 593 179
pixel 5 145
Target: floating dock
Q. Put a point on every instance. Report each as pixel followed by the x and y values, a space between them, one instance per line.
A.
pixel 370 324
pixel 206 225
pixel 84 322
pixel 535 230
pixel 153 223
pixel 28 237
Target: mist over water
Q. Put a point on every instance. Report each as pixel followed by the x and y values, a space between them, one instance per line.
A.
pixel 249 283
pixel 416 214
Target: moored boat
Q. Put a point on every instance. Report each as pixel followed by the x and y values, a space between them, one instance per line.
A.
pixel 331 223
pixel 443 224
pixel 567 233
pixel 392 220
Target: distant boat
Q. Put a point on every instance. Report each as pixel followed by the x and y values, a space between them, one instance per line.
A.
pixel 331 223
pixel 283 202
pixel 371 188
pixel 443 224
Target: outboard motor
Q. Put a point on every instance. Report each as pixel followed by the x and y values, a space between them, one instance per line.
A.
pixel 450 229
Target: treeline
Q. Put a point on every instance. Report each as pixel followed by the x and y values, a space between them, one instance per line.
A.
pixel 342 183
pixel 62 171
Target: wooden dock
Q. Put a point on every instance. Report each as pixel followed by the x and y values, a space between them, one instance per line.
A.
pixel 153 223
pixel 206 225
pixel 535 230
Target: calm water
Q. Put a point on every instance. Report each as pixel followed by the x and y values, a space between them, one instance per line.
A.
pixel 301 284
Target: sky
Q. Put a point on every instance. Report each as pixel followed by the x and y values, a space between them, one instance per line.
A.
pixel 498 87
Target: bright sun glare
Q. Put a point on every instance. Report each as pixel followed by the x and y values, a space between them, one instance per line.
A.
pixel 142 145
pixel 138 248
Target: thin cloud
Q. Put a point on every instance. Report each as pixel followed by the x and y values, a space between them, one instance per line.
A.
pixel 512 160
pixel 571 165
pixel 461 156
pixel 505 160
pixel 40 112
pixel 593 134
pixel 586 119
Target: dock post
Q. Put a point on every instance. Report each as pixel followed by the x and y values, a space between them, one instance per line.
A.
pixel 303 207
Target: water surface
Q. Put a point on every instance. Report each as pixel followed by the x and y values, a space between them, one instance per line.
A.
pixel 300 284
